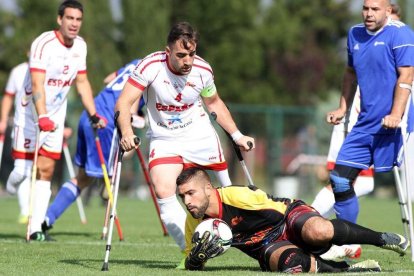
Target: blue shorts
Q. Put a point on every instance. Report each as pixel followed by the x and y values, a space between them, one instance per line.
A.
pixel 361 150
pixel 86 152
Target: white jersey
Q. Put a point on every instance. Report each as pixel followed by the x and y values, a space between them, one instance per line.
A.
pixel 173 101
pixel 60 64
pixel 16 78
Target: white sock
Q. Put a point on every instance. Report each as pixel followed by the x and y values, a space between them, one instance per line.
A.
pixel 13 181
pixel 173 216
pixel 364 185
pixel 23 195
pixel 324 202
pixel 41 199
pixel 223 177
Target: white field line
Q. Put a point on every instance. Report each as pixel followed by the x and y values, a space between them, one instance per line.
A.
pixel 94 243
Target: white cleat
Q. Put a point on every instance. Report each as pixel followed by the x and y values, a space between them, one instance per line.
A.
pixel 339 253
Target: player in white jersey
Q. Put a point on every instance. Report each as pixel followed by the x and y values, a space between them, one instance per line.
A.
pixel 175 84
pixel 21 184
pixel 57 60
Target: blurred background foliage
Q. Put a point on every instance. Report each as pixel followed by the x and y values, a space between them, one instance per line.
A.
pixel 277 63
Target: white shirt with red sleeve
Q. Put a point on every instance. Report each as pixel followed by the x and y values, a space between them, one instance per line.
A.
pixel 173 101
pixel 16 79
pixel 60 64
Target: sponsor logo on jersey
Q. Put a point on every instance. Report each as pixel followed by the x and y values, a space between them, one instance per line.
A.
pixel 188 83
pixel 172 108
pixel 236 220
pixel 174 126
pixel 356 47
pixel 376 43
pixel 59 82
pixel 174 119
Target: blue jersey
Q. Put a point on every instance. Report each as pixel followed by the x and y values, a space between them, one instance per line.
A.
pixel 86 152
pixel 106 99
pixel 375 58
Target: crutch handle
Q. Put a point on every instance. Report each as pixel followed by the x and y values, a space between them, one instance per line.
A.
pixel 250 144
pixel 137 141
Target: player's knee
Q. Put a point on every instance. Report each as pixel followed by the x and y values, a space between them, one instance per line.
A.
pixel 294 260
pixel 341 186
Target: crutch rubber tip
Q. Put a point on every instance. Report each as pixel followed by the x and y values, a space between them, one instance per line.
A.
pixel 105 267
pixel 166 235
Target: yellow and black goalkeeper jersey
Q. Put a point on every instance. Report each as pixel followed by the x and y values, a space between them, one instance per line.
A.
pixel 254 217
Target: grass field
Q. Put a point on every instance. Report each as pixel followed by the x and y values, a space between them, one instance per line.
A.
pixel 145 251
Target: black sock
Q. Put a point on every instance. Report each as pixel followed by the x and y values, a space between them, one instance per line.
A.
pixel 346 232
pixel 330 266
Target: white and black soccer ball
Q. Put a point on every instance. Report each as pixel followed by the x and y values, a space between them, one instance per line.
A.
pixel 216 227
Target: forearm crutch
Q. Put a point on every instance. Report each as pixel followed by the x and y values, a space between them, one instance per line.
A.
pixel 105 266
pixel 151 189
pixel 72 175
pixel 402 201
pixel 408 186
pixel 107 186
pixel 1 147
pixel 32 183
pixel 238 153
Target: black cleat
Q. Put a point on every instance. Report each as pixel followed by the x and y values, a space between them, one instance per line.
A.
pixel 395 243
pixel 40 236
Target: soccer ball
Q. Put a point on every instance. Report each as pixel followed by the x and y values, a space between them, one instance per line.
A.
pixel 216 227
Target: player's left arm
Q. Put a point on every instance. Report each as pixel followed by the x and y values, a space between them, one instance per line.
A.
pixel 214 103
pixel 84 89
pixel 402 92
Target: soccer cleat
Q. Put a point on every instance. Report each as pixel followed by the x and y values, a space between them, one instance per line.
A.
pixel 40 236
pixel 46 227
pixel 365 266
pixel 352 251
pixel 395 242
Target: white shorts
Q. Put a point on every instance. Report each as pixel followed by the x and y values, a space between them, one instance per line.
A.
pixel 24 140
pixel 204 150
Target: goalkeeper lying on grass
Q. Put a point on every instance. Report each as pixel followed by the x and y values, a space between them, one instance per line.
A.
pixel 282 234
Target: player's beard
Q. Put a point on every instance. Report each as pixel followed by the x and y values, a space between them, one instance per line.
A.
pixel 199 212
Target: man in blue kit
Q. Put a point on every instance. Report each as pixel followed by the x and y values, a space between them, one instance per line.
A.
pixel 380 61
pixel 87 158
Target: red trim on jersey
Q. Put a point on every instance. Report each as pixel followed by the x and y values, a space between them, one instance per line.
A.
pixel 220 214
pixel 8 93
pixel 166 160
pixel 213 167
pixel 61 41
pixel 82 71
pixel 369 172
pixel 52 155
pixel 203 67
pixel 151 62
pixel 22 155
pixel 330 165
pixel 136 84
pixel 43 46
pixel 37 70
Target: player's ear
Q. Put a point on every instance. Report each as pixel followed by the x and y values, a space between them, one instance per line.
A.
pixel 168 50
pixel 59 20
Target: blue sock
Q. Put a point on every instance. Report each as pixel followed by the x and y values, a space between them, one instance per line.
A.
pixel 348 209
pixel 65 197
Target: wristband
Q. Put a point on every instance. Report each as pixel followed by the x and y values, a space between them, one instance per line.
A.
pixel 236 135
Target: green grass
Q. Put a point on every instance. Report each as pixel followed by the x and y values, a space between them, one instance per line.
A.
pixel 145 251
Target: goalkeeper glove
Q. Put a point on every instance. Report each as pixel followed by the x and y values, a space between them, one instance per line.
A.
pixel 203 250
pixel 97 121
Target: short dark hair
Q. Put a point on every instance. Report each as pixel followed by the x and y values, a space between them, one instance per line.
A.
pixel 184 31
pixel 190 173
pixel 69 4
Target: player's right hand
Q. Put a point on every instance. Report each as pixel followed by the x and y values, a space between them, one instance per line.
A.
pixel 203 250
pixel 335 117
pixel 246 143
pixel 45 124
pixel 128 142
